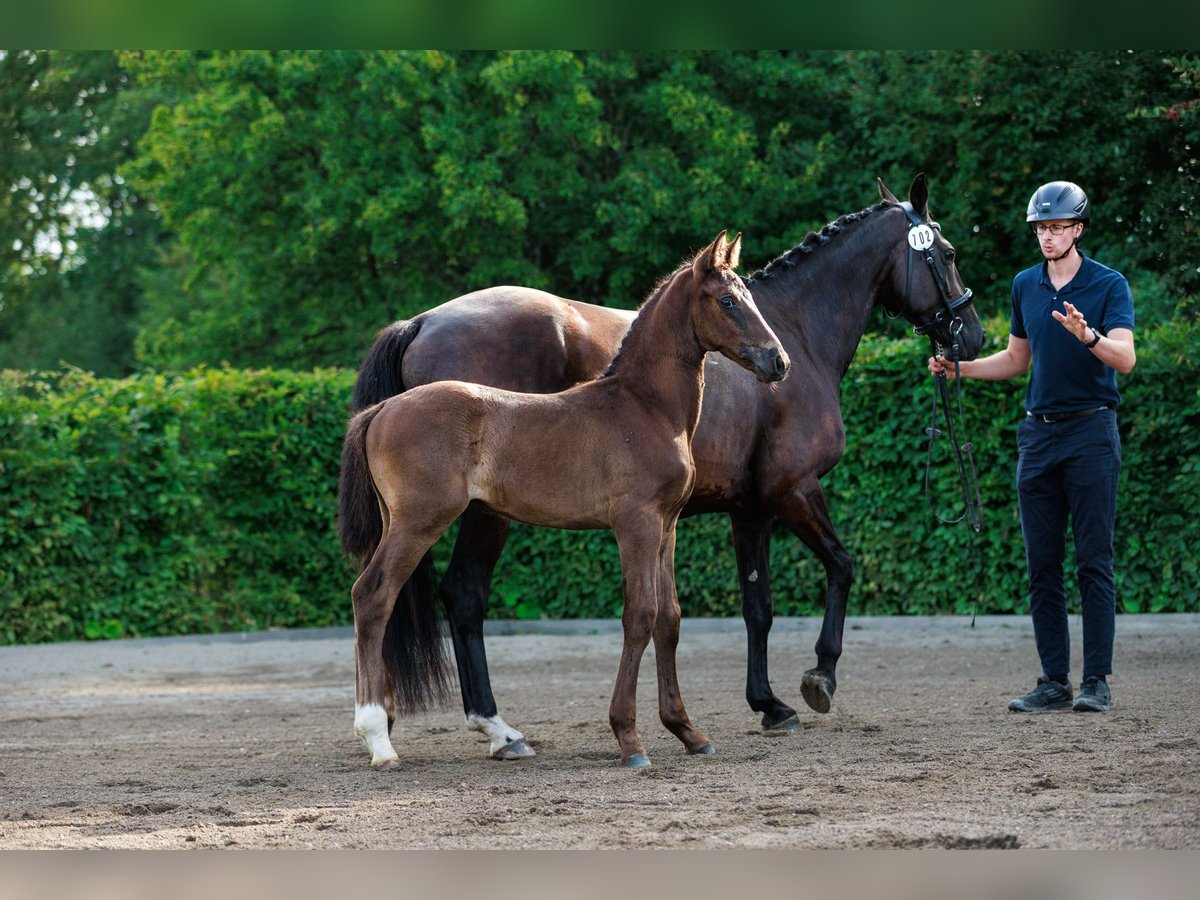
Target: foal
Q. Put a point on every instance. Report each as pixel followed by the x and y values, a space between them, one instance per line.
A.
pixel 611 453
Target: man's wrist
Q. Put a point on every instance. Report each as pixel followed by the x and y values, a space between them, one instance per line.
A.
pixel 1096 335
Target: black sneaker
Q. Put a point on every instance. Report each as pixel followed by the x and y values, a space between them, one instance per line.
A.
pixel 1047 695
pixel 1094 696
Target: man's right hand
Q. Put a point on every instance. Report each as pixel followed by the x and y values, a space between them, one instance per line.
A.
pixel 939 365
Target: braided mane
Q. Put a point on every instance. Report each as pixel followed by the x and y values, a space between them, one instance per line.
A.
pixel 813 241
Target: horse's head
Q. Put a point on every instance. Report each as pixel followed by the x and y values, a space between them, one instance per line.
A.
pixel 725 318
pixel 927 289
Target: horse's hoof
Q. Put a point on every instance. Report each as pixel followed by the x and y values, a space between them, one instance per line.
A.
pixel 789 723
pixel 386 765
pixel 518 749
pixel 707 750
pixel 817 689
pixel 638 762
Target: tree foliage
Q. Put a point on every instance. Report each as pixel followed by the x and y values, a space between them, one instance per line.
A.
pixel 280 206
pixel 73 233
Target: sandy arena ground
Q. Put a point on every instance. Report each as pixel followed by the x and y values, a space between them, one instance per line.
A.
pixel 245 741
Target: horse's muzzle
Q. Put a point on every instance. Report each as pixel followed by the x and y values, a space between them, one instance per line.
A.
pixel 769 363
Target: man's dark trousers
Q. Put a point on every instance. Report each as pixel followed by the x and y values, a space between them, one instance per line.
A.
pixel 1070 468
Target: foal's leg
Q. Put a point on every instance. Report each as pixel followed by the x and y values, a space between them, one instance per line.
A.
pixel 374 596
pixel 639 538
pixel 752 546
pixel 464 592
pixel 666 639
pixel 805 514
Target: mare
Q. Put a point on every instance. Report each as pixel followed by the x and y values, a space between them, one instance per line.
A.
pixel 611 453
pixel 759 453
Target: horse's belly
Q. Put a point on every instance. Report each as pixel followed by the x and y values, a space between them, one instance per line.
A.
pixel 541 494
pixel 722 472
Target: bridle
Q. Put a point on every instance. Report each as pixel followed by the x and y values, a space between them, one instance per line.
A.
pixel 921 240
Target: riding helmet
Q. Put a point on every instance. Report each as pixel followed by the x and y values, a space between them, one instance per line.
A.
pixel 1058 200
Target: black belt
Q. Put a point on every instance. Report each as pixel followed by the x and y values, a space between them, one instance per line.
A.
pixel 1051 418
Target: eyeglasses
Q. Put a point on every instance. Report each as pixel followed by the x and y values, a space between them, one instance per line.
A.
pixel 1055 229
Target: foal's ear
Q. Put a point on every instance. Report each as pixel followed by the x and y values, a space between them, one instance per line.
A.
pixel 884 193
pixel 711 257
pixel 918 196
pixel 735 251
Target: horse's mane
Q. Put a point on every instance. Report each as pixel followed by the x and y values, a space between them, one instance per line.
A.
pixel 638 322
pixel 812 241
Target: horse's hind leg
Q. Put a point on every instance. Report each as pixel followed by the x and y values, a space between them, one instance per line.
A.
pixel 805 514
pixel 751 546
pixel 666 639
pixel 374 596
pixel 464 592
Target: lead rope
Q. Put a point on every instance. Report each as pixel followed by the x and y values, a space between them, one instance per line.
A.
pixel 963 453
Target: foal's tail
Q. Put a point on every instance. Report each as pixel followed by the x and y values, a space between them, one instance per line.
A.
pixel 414 652
pixel 379 377
pixel 360 524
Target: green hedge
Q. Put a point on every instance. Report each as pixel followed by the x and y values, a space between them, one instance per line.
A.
pixel 169 505
pixel 206 502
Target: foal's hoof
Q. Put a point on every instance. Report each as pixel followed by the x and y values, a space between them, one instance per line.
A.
pixel 707 750
pixel 637 762
pixel 817 689
pixel 788 721
pixel 518 749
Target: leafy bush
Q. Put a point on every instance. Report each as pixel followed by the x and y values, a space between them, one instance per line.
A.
pixel 169 505
pixel 207 501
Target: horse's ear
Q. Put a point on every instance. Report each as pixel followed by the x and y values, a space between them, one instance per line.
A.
pixel 711 257
pixel 884 193
pixel 735 251
pixel 918 196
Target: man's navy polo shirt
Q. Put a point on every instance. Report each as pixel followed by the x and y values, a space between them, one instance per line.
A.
pixel 1067 375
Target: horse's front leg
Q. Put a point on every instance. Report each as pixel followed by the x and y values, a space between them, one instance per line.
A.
pixel 805 514
pixel 666 639
pixel 464 592
pixel 752 547
pixel 638 538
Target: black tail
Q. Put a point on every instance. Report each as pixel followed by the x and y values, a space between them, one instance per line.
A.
pixel 414 650
pixel 360 525
pixel 380 376
pixel 414 647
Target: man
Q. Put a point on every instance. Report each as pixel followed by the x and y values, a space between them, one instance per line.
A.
pixel 1073 319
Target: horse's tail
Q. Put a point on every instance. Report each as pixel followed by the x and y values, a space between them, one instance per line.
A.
pixel 360 524
pixel 414 652
pixel 380 375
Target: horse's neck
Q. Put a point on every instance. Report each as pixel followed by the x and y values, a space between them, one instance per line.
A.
pixel 820 307
pixel 662 363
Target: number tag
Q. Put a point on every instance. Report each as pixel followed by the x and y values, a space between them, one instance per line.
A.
pixel 920 237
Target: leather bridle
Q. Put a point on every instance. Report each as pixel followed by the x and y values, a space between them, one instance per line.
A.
pixel 921 240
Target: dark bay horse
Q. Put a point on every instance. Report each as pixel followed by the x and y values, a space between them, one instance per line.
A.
pixel 759 453
pixel 611 453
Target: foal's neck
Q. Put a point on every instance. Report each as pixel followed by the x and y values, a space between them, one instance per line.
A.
pixel 661 361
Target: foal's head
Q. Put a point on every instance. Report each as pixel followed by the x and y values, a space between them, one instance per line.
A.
pixel 724 316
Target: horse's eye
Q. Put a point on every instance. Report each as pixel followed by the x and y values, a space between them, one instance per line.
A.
pixel 727 302
pixel 949 255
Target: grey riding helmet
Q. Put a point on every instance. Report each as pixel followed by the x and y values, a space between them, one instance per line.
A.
pixel 1062 200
